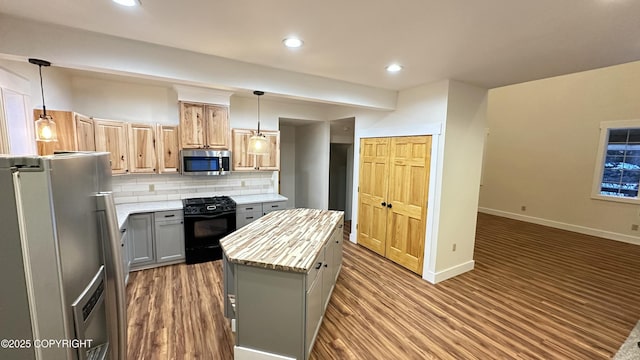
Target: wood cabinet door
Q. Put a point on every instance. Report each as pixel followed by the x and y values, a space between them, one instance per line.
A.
pixel 192 125
pixel 65 128
pixel 85 133
pixel 142 148
pixel 242 160
pixel 168 149
pixel 409 165
pixel 374 179
pixel 270 161
pixel 111 136
pixel 217 127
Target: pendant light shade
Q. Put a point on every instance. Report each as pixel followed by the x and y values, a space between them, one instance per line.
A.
pixel 258 144
pixel 45 126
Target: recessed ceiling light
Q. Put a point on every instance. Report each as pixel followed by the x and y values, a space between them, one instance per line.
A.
pixel 127 2
pixel 394 68
pixel 292 42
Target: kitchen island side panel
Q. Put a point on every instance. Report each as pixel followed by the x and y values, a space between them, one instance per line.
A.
pixel 270 310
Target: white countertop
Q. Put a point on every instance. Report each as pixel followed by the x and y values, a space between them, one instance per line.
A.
pixel 260 198
pixel 124 210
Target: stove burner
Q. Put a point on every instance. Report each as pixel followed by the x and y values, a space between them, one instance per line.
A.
pixel 208 205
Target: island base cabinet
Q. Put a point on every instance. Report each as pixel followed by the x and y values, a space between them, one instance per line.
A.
pixel 270 311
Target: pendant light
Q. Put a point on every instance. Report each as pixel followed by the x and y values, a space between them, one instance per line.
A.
pixel 258 144
pixel 45 126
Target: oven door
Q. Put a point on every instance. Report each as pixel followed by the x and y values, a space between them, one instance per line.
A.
pixel 202 234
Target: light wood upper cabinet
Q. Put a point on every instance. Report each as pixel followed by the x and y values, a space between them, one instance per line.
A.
pixel 168 149
pixel 243 161
pixel 65 128
pixel 142 148
pixel 192 125
pixel 217 126
pixel 85 133
pixel 204 126
pixel 111 136
pixel 270 161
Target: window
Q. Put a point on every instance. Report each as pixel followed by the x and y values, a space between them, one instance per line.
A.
pixel 617 175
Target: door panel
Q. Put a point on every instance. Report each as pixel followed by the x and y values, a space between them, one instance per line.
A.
pixel 374 164
pixel 409 165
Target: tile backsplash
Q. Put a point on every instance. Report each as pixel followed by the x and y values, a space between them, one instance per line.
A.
pixel 160 187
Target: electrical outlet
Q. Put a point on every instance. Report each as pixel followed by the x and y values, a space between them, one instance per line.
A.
pixel 454 247
pixel 523 208
pixel 152 187
pixel 634 227
pixel 242 183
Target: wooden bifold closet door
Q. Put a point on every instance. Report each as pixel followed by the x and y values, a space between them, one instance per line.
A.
pixel 393 193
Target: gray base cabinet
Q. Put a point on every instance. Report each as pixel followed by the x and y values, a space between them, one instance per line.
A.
pixel 155 239
pixel 124 251
pixel 140 236
pixel 169 237
pixel 248 213
pixel 280 312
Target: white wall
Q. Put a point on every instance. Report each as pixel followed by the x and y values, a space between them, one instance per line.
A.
pixel 542 148
pixel 85 50
pixel 244 112
pixel 288 164
pixel 56 81
pixel 349 201
pixel 125 101
pixel 464 139
pixel 454 113
pixel 312 165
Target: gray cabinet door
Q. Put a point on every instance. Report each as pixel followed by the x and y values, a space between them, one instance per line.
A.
pixel 169 240
pixel 313 312
pixel 327 276
pixel 124 253
pixel 273 206
pixel 338 238
pixel 140 237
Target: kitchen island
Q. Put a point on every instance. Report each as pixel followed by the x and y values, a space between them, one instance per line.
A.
pixel 279 273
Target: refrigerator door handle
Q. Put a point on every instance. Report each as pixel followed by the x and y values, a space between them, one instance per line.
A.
pixel 112 259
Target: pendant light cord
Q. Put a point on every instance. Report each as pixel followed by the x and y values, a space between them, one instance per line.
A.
pixel 258 115
pixel 44 108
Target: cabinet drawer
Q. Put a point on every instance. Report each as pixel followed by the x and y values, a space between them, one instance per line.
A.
pixel 312 274
pixel 241 209
pixel 273 206
pixel 243 219
pixel 168 215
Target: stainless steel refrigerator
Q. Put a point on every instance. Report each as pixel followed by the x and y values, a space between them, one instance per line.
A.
pixel 60 273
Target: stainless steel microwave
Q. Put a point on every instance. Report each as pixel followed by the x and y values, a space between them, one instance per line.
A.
pixel 205 162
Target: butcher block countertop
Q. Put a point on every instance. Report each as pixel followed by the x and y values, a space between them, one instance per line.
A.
pixel 287 240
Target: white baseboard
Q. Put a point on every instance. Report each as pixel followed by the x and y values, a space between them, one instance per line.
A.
pixel 353 238
pixel 564 226
pixel 436 277
pixel 243 353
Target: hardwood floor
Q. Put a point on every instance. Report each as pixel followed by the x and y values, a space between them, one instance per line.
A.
pixel 535 293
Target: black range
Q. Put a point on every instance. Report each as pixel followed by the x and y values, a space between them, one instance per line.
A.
pixel 206 221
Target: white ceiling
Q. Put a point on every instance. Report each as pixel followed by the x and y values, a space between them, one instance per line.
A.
pixel 488 43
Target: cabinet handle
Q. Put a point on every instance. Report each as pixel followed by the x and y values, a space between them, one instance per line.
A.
pixel 249 217
pixel 123 231
pixel 249 208
pixel 383 203
pixel 172 215
pixel 325 265
pixel 122 158
pixel 274 206
pixel 318 266
pixel 122 245
pixel 389 205
pixel 337 241
pixel 340 226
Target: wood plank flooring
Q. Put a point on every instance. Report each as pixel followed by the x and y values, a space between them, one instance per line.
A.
pixel 536 293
